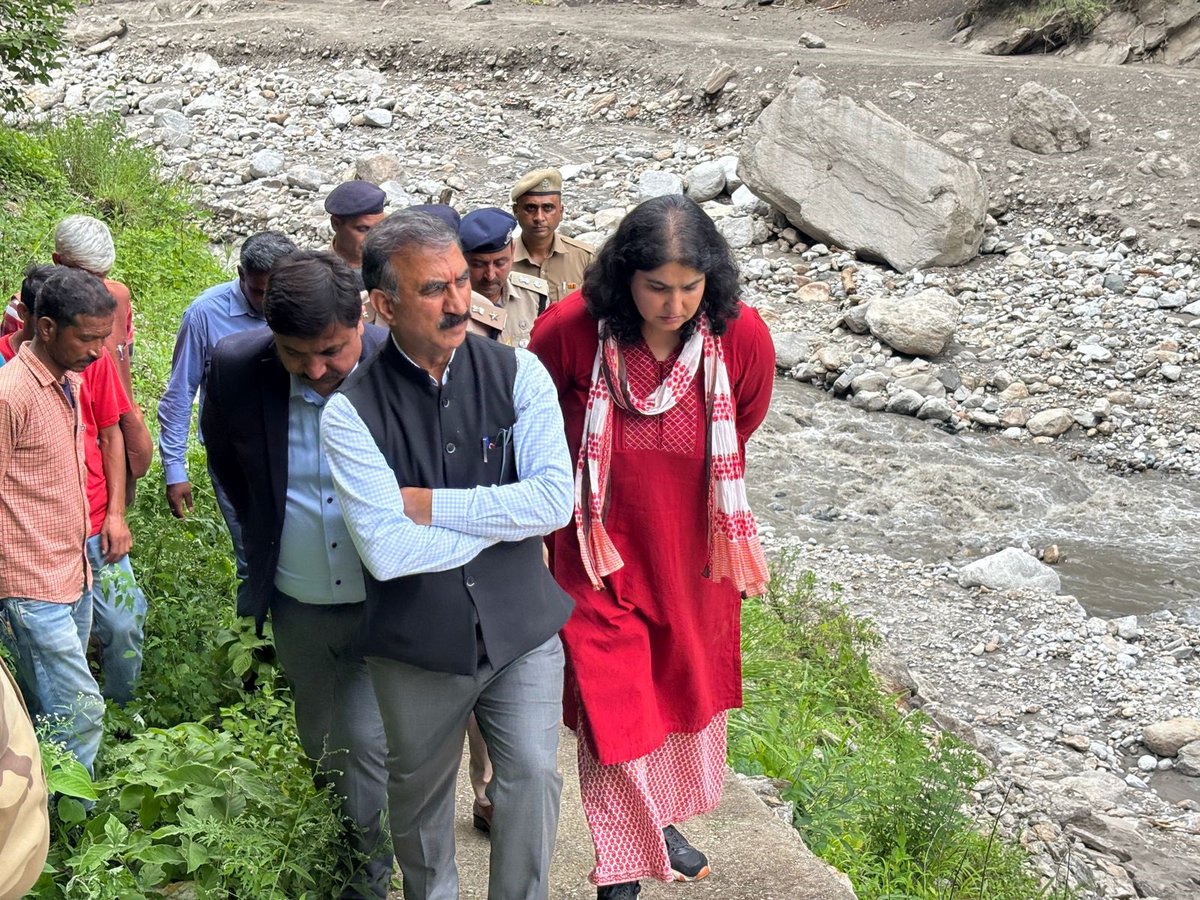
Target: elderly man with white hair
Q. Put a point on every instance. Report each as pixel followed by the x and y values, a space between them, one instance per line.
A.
pixel 84 242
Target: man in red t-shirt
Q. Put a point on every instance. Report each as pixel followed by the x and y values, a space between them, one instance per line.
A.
pixel 118 605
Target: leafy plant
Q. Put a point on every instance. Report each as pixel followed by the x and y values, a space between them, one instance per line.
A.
pixel 30 38
pixel 233 810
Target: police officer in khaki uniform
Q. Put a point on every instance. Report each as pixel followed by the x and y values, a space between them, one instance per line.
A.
pixel 353 208
pixel 540 250
pixel 509 301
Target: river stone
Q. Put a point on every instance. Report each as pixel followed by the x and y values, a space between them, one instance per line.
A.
pixel 1163 165
pixel 1045 121
pixel 1009 570
pixel 791 349
pixel 1166 738
pixel 198 64
pixel 855 319
pixel 397 196
pixel 266 164
pixel 202 104
pixel 919 325
pixel 152 103
pixel 379 167
pixel 925 384
pixel 1126 628
pixel 91 30
pixel 1050 422
pixel 1187 761
pixel 738 231
pixel 905 402
pixel 306 178
pixel 935 408
pixel 851 175
pixel 658 184
pixel 705 181
pixel 746 200
pixel 176 128
pixel 729 165
pixel 378 118
pixel 340 117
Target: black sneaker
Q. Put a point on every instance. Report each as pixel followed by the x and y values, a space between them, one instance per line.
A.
pixel 626 890
pixel 688 863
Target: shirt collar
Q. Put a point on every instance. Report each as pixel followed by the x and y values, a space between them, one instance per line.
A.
pixel 302 391
pixel 238 304
pixel 520 254
pixel 38 368
pixel 432 380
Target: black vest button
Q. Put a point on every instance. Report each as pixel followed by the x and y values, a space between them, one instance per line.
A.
pixel 450 448
pixel 470 582
pixel 445 402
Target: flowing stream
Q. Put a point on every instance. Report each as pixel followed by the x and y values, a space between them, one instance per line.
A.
pixel 889 484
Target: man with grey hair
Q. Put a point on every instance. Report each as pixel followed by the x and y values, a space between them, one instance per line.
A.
pixel 220 311
pixel 448 456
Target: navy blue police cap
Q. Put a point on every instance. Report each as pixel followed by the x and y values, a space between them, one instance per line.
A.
pixel 355 198
pixel 487 230
pixel 447 214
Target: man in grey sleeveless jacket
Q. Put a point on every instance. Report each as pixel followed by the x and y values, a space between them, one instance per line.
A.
pixel 449 460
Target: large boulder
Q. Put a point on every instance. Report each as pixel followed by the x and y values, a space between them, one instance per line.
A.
pixel 1045 121
pixel 1168 737
pixel 1009 570
pixel 851 175
pixel 919 325
pixel 379 167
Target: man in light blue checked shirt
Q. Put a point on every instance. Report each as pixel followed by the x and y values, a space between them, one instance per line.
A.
pixel 450 463
pixel 266 390
pixel 230 308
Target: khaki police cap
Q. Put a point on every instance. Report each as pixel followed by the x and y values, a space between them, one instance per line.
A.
pixel 539 181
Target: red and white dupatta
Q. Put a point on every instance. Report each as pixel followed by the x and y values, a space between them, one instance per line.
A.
pixel 734 551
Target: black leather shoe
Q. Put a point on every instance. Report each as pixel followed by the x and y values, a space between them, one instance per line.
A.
pixel 481 817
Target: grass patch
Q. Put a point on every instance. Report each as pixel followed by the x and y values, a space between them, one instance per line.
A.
pixel 1072 19
pixel 878 792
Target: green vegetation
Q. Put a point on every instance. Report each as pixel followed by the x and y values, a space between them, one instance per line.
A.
pixel 30 38
pixel 878 792
pixel 1070 19
pixel 201 777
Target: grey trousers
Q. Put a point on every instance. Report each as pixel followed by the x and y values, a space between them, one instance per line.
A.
pixel 339 724
pixel 425 716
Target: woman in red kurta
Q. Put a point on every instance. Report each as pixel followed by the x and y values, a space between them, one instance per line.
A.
pixel 663 374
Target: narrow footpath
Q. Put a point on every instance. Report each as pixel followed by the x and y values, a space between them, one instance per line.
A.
pixel 754 855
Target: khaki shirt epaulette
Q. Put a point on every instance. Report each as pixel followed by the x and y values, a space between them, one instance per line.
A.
pixel 487 319
pixel 537 285
pixel 579 245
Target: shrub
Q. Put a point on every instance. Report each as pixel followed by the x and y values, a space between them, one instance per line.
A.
pixel 877 791
pixel 30 38
pixel 231 808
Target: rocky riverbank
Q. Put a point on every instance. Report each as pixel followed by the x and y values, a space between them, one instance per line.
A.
pixel 1076 331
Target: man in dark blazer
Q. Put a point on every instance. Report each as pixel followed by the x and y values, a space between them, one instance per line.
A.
pixel 266 392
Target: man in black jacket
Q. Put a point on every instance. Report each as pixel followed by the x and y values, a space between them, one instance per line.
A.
pixel 266 391
pixel 450 460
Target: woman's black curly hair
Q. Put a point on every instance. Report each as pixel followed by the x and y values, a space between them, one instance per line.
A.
pixel 660 231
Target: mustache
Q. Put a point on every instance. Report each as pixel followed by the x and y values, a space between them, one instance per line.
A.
pixel 451 321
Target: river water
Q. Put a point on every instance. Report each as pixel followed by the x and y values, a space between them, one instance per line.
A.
pixel 889 484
